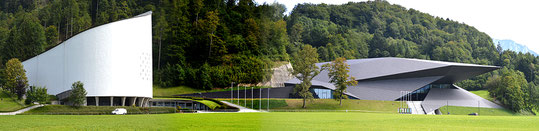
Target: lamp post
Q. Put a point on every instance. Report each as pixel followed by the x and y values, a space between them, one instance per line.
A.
pixel 252 106
pixel 232 92
pixel 260 99
pixel 268 98
pixel 238 94
pixel 245 96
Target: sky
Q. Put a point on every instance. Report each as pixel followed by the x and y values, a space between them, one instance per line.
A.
pixel 517 20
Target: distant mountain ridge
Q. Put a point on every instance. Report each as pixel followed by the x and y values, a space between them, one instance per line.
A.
pixel 507 44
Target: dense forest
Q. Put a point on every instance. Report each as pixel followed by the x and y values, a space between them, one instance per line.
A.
pixel 211 43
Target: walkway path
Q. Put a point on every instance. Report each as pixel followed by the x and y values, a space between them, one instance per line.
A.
pixel 242 109
pixel 22 110
pixel 416 107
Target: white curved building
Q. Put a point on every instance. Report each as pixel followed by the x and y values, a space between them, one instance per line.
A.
pixel 113 61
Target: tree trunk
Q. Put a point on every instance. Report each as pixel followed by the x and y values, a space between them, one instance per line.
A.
pixel 211 42
pixel 58 39
pixel 340 99
pixel 304 103
pixel 159 57
pixel 340 102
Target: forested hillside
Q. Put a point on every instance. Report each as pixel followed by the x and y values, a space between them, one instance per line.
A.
pixel 211 43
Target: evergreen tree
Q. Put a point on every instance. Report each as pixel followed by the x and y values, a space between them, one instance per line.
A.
pixel 51 33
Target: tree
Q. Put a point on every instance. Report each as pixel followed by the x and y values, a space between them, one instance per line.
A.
pixel 15 78
pixel 78 94
pixel 305 70
pixel 209 26
pixel 26 39
pixel 338 73
pixel 37 94
pixel 508 89
pixel 51 33
pixel 197 6
pixel 204 77
pixel 160 29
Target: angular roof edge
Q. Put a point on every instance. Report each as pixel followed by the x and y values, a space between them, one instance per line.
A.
pixel 140 15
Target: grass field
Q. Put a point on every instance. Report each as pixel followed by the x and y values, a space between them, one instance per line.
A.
pixel 96 110
pixel 169 91
pixel 457 110
pixel 330 104
pixel 268 121
pixel 8 104
pixel 324 105
pixel 483 94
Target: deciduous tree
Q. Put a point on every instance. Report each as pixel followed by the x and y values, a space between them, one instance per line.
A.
pixel 15 78
pixel 37 94
pixel 338 74
pixel 78 94
pixel 305 70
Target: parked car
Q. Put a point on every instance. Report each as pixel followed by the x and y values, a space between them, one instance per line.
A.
pixel 119 111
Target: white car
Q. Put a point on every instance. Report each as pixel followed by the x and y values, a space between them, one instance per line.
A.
pixel 119 111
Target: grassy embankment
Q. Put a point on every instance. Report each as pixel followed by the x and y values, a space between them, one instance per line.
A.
pixel 170 91
pixel 95 110
pixel 268 121
pixel 9 103
pixel 211 103
pixel 457 110
pixel 323 105
pixel 483 94
pixel 164 92
pixel 483 111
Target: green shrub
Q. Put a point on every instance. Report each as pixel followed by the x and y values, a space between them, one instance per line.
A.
pixel 37 94
pixel 97 110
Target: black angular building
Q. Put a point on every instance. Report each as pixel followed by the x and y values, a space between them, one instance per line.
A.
pixel 430 84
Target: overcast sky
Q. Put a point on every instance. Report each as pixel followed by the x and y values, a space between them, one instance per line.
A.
pixel 517 20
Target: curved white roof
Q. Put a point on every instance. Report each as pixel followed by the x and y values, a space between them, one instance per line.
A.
pixel 114 59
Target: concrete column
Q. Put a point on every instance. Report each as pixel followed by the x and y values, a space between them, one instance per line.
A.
pixel 96 101
pixel 141 101
pixel 111 101
pixel 123 101
pixel 134 101
pixel 145 103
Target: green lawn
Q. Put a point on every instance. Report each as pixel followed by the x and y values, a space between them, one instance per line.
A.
pixel 483 94
pixel 8 104
pixel 274 121
pixel 325 105
pixel 212 104
pixel 96 110
pixel 169 91
pixel 457 110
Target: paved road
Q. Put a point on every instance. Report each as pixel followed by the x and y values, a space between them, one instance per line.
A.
pixel 242 109
pixel 22 110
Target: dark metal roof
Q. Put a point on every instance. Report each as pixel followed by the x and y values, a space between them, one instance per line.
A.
pixel 384 78
pixel 392 68
pixel 438 97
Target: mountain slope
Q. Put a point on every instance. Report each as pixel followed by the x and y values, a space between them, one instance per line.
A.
pixel 508 44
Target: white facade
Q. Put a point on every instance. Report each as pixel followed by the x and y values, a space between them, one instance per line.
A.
pixel 112 60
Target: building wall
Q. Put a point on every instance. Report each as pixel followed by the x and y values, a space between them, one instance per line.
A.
pixel 111 60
